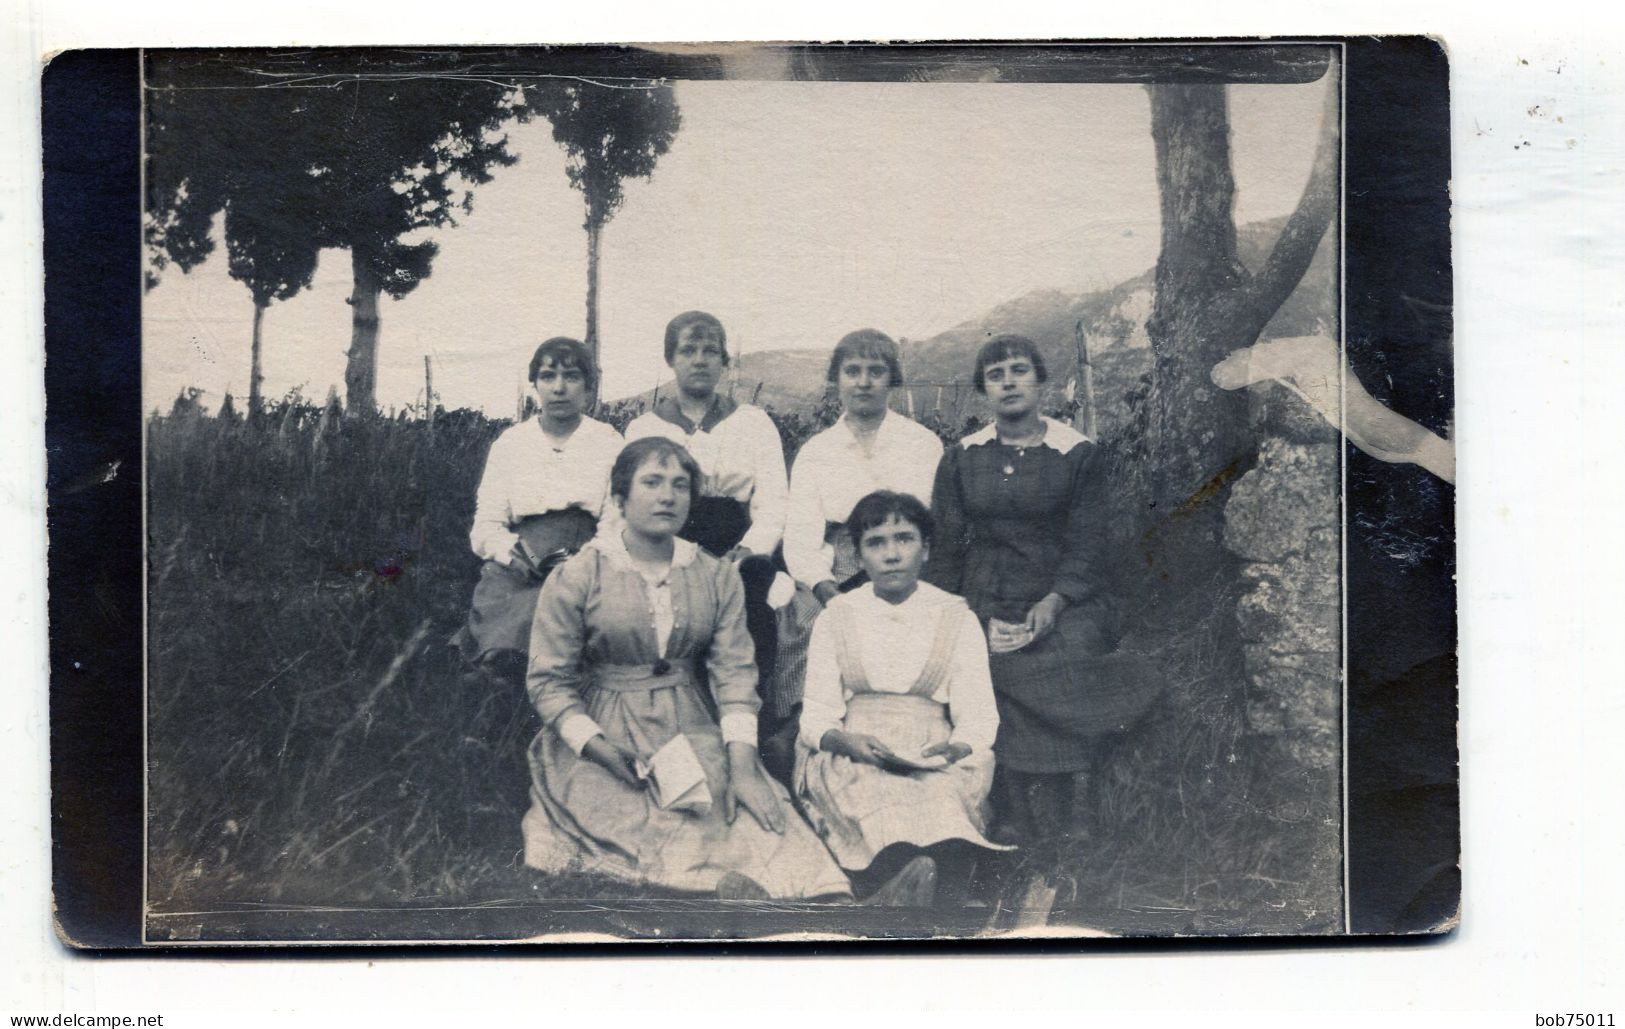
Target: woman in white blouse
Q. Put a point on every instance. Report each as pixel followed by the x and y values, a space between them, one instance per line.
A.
pixel 545 484
pixel 870 448
pixel 895 751
pixel 738 514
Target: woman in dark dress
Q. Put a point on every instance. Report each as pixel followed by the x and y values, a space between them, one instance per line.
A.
pixel 1020 514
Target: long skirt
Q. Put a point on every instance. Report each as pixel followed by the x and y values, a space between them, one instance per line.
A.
pixel 582 818
pixel 1058 696
pixel 860 810
pixel 505 597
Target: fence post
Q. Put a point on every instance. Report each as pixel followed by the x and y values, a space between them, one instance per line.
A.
pixel 428 394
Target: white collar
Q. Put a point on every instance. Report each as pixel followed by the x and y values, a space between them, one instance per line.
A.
pixel 1058 436
pixel 924 597
pixel 611 545
pixel 852 439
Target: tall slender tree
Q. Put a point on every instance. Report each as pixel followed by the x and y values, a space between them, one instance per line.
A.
pixel 204 159
pixel 609 134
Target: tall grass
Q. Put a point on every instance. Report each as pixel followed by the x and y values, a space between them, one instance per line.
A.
pixel 314 739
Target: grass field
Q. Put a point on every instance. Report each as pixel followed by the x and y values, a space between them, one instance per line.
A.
pixel 313 739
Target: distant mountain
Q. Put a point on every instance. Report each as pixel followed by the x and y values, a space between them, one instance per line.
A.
pixel 938 370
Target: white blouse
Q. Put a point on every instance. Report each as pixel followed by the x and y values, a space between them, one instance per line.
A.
pixel 894 641
pixel 832 474
pixel 528 473
pixel 741 457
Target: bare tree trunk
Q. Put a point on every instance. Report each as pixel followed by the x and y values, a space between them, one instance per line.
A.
pixel 593 232
pixel 361 367
pixel 255 378
pixel 1197 429
pixel 1207 304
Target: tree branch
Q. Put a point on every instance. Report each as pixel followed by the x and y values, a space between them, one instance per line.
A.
pixel 1295 248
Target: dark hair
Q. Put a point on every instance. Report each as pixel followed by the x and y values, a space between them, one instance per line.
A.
pixel 881 506
pixel 675 327
pixel 635 453
pixel 1003 348
pixel 866 343
pixel 566 353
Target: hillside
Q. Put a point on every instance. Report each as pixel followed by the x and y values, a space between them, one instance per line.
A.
pixel 938 369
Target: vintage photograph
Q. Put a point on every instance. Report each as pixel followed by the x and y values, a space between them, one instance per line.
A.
pixel 751 491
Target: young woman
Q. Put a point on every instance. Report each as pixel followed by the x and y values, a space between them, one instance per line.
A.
pixel 739 515
pixel 1019 508
pixel 895 751
pixel 869 448
pixel 632 774
pixel 539 500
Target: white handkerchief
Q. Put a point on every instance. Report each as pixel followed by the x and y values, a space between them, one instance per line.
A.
pixel 675 777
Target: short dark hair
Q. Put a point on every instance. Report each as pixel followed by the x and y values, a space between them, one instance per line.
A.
pixel 866 343
pixel 675 327
pixel 880 507
pixel 566 352
pixel 635 453
pixel 1003 348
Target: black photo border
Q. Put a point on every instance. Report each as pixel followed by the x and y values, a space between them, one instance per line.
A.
pixel 1402 798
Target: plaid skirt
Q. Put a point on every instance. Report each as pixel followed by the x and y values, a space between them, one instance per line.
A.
pixel 1058 696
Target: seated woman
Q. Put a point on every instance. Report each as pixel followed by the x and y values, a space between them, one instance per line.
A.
pixel 870 448
pixel 895 753
pixel 1021 518
pixel 543 490
pixel 633 776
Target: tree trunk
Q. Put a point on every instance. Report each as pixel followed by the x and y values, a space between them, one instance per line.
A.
pixel 593 231
pixel 1207 304
pixel 255 378
pixel 1197 429
pixel 361 366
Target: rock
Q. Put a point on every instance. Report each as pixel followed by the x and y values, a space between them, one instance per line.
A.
pixel 1276 507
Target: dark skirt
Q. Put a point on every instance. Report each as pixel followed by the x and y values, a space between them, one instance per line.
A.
pixel 504 601
pixel 1058 696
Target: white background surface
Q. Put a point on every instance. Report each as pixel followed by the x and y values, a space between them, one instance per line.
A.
pixel 1540 286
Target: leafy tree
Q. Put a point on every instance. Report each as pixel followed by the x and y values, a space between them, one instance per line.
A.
pixel 319 150
pixel 205 158
pixel 609 134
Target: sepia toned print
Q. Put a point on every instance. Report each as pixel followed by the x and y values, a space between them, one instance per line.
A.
pixel 755 491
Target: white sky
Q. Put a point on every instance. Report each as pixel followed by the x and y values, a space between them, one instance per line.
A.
pixel 793 211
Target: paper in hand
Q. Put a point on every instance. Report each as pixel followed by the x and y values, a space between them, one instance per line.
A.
pixel 1004 637
pixel 675 777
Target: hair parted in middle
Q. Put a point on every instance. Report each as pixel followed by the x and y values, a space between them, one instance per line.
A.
pixel 871 343
pixel 675 327
pixel 566 352
pixel 1003 348
pixel 882 506
pixel 651 448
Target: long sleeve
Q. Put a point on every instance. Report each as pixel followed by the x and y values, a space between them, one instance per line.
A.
pixel 946 564
pixel 770 496
pixel 823 701
pixel 1079 576
pixel 971 706
pixel 805 555
pixel 731 660
pixel 490 536
pixel 557 639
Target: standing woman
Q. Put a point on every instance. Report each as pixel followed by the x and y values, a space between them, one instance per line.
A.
pixel 738 513
pixel 632 775
pixel 1019 507
pixel 869 448
pixel 540 498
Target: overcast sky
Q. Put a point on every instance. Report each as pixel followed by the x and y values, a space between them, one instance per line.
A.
pixel 793 211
